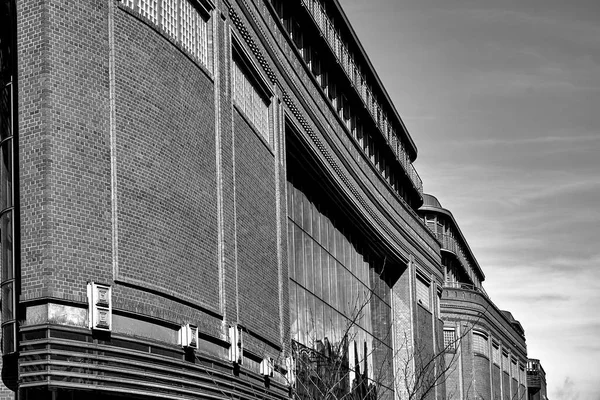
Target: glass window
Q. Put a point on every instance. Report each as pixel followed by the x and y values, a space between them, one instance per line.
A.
pixel 6 242
pixel 309 274
pixel 496 353
pixel 299 255
pixel 250 100
pixel 480 344
pixel 293 311
pixel 449 339
pixel 291 253
pixel 423 296
pixel 325 282
pixel 317 270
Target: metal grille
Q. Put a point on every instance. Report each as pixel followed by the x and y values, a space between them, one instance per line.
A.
pixel 449 339
pixel 149 9
pixel 203 32
pixel 189 28
pixel 169 17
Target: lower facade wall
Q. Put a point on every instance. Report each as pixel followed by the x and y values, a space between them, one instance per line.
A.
pixel 481 368
pixel 74 360
pixel 496 382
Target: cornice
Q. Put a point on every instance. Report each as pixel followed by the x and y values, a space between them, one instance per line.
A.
pixel 326 155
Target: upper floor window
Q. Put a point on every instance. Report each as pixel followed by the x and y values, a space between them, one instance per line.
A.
pixel 449 339
pixel 505 366
pixel 249 97
pixel 185 21
pixel 423 296
pixel 496 353
pixel 480 344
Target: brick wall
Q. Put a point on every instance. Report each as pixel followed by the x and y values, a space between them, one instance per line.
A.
pixel 481 371
pixel 166 183
pixel 496 382
pixel 452 384
pixel 64 147
pixel 506 386
pixel 256 229
pixel 424 350
pixel 514 389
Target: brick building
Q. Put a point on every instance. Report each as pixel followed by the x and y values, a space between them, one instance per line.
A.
pixel 536 380
pixel 485 346
pixel 194 191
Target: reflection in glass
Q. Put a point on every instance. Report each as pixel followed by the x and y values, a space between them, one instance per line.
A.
pixel 293 311
pixel 5 112
pixel 309 277
pixel 6 163
pixel 7 302
pixel 299 255
pixel 291 253
pixel 8 339
pixel 6 251
pixel 335 286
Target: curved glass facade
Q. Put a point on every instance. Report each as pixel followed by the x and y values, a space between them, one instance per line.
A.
pixel 338 294
pixel 7 209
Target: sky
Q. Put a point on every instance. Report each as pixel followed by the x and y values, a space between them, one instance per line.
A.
pixel 502 99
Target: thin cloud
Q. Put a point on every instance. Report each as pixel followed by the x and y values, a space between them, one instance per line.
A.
pixel 539 140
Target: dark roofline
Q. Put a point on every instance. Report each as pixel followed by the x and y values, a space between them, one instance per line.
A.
pixel 342 14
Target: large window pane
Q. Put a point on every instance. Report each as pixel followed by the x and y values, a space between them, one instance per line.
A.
pixel 306 215
pixel 6 251
pixel 5 112
pixel 290 200
pixel 8 339
pixel 333 286
pixel 323 225
pixel 317 270
pixel 6 161
pixel 293 311
pixel 319 320
pixel 297 200
pixel 7 302
pixel 315 223
pixel 312 320
pixel 325 283
pixel 291 252
pixel 302 312
pixel 309 275
pixel 299 255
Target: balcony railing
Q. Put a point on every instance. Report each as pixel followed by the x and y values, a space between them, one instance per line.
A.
pixel 465 286
pixel 448 243
pixel 359 81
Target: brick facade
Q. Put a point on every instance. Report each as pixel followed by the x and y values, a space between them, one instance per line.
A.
pixel 136 170
pixel 487 338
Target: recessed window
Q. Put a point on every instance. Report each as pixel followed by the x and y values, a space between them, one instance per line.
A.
pixel 496 353
pixel 423 297
pixel 480 344
pixel 449 339
pixel 249 97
